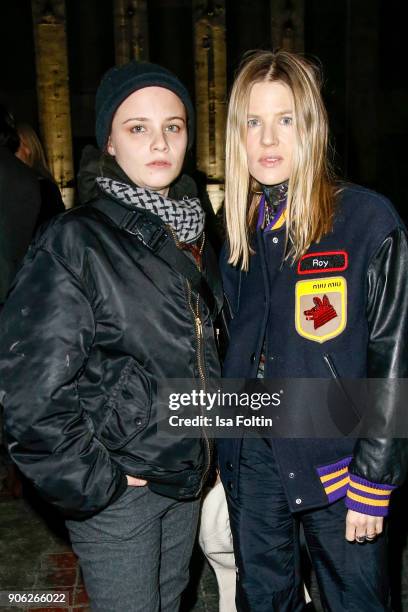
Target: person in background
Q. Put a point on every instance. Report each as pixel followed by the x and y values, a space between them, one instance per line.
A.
pixel 19 203
pixel 114 298
pixel 19 210
pixel 31 152
pixel 315 272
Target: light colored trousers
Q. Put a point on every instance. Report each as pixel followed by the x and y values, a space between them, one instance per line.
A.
pixel 216 542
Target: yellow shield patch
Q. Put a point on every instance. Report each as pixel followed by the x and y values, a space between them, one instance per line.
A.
pixel 321 308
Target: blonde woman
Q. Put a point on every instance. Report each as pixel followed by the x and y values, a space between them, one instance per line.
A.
pixel 290 222
pixel 31 152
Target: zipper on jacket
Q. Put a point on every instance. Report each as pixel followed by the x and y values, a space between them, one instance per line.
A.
pixel 201 372
pixel 198 328
pixel 195 309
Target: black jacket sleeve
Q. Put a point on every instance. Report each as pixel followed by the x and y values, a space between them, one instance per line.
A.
pixel 385 460
pixel 46 333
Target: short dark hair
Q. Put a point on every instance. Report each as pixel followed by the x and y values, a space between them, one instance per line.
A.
pixel 8 133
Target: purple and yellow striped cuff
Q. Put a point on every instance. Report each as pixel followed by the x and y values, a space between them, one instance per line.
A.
pixel 335 479
pixel 368 497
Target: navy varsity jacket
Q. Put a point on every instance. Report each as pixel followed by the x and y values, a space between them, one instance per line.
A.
pixel 342 310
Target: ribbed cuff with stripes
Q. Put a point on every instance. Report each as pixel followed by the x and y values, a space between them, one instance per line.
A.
pixel 334 478
pixel 368 497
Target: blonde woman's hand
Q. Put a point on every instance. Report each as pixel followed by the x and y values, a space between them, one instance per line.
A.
pixel 362 527
pixel 135 482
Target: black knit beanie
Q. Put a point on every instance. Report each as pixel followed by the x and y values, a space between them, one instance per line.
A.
pixel 121 81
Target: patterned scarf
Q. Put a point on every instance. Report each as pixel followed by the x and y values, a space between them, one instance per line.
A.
pixel 272 207
pixel 185 216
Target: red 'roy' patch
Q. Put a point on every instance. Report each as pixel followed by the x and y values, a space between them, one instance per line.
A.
pixel 327 261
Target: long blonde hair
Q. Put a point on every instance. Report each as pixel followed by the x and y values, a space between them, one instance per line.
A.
pixel 311 193
pixel 32 152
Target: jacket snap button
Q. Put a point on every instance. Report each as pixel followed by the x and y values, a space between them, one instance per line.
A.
pixel 275 240
pixel 229 466
pixel 298 501
pixel 291 474
pixel 252 358
pixel 138 421
pixel 230 486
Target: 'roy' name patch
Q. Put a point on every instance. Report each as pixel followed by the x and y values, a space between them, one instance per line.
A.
pixel 328 261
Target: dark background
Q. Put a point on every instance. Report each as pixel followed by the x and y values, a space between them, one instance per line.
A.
pixel 361 44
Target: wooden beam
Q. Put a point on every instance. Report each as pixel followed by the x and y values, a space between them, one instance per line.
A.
pixel 211 92
pixel 53 92
pixel 287 24
pixel 131 30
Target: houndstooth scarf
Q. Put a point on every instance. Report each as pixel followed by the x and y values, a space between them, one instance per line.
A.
pixel 185 216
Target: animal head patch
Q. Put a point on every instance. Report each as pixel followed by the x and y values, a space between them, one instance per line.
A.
pixel 321 313
pixel 321 308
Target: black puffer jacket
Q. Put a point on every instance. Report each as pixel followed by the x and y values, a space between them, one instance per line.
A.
pixel 95 321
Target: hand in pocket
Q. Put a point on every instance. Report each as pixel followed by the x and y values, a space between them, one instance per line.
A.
pixel 135 482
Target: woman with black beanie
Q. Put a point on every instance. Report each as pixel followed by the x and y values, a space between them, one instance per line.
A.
pixel 114 298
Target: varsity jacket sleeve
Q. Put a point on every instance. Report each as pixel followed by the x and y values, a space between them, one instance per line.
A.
pixel 46 331
pixel 379 465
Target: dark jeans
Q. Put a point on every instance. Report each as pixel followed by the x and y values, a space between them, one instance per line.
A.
pixel 352 577
pixel 135 554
